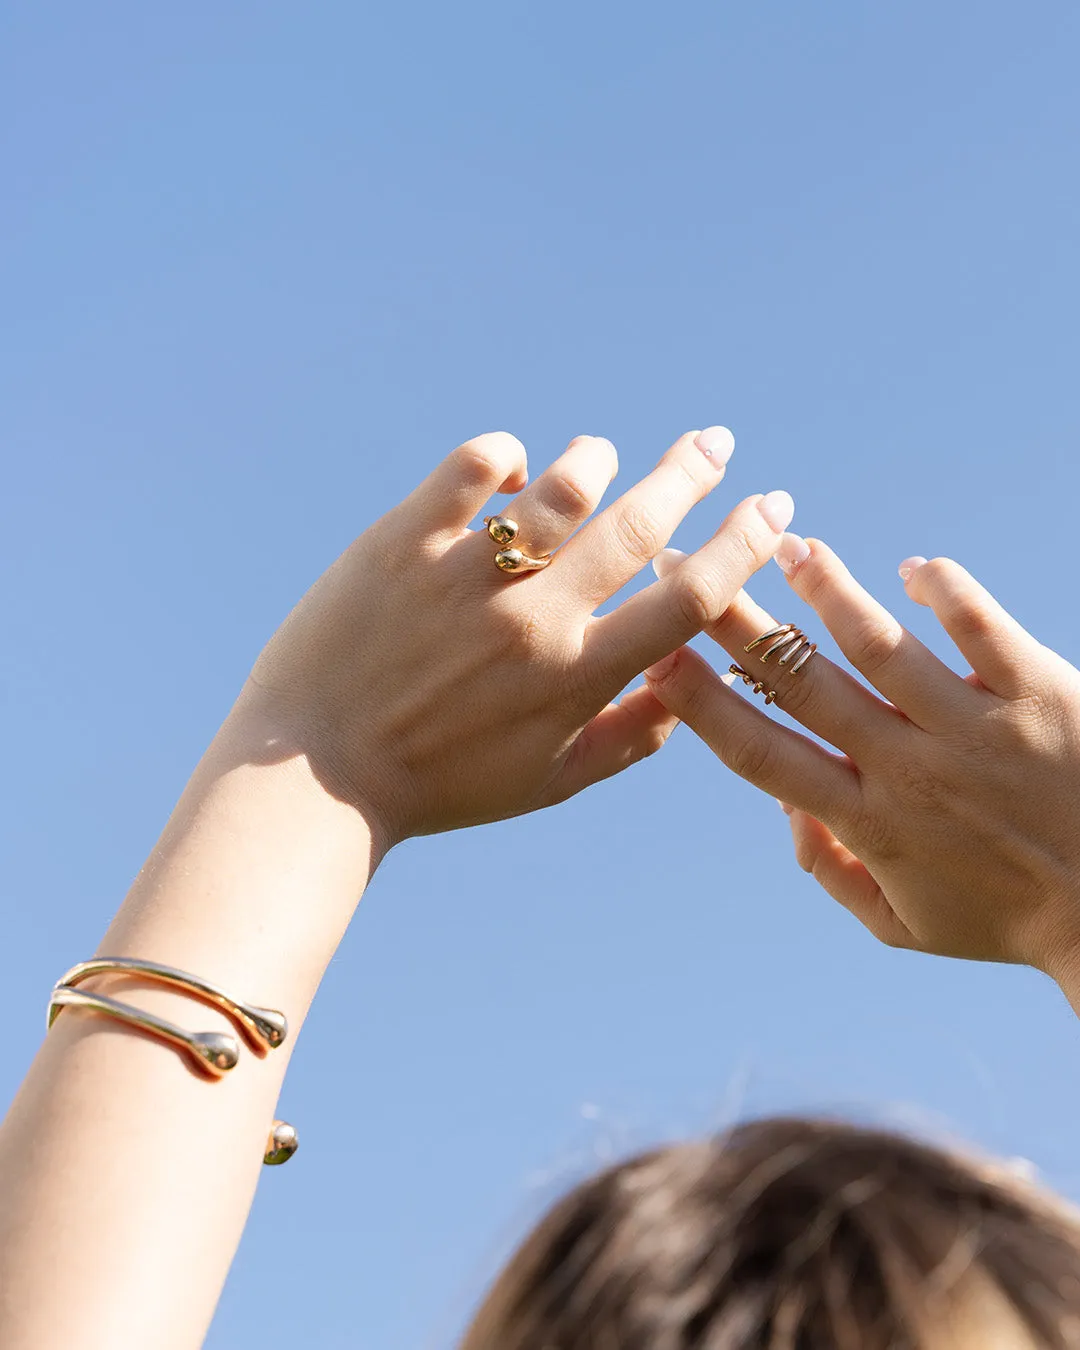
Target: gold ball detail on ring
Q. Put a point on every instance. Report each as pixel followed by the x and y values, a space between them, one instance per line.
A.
pixel 281 1144
pixel 502 529
pixel 509 560
pixel 758 686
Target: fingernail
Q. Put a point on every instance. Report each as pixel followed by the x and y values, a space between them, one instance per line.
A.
pixel 666 561
pixel 662 669
pixel 778 510
pixel 717 444
pixel 787 810
pixel 793 551
pixel 909 567
pixel 729 678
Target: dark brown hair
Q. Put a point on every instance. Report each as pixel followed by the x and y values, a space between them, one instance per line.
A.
pixel 788 1234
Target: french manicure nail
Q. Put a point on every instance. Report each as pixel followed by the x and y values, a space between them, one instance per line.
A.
pixel 717 444
pixel 778 510
pixel 784 807
pixel 909 567
pixel 729 678
pixel 793 551
pixel 666 561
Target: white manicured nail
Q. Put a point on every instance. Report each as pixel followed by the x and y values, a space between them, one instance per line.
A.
pixel 792 552
pixel 717 444
pixel 778 509
pixel 667 560
pixel 909 567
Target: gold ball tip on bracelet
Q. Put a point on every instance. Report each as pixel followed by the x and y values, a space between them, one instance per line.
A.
pixel 271 1026
pixel 220 1052
pixel 281 1144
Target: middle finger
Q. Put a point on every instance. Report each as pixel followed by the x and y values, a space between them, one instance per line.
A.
pixel 611 549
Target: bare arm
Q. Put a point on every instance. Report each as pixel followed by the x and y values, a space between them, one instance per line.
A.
pixel 414 689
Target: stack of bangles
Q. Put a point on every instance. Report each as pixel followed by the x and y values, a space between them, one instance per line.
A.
pixel 213 1053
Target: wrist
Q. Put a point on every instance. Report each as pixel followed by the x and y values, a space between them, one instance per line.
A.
pixel 270 731
pixel 256 875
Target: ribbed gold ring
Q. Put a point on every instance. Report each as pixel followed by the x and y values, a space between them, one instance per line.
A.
pixel 512 561
pixel 788 644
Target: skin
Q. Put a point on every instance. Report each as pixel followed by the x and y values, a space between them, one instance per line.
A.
pixel 946 820
pixel 126 1178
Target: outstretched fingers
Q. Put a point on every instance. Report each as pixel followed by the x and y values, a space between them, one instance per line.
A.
pixel 894 661
pixel 611 549
pixel 670 612
pixel 1004 655
pixel 457 490
pixel 774 758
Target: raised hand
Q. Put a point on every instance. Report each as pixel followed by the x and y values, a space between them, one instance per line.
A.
pixel 950 821
pixel 433 690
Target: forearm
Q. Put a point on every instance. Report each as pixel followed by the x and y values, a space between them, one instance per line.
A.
pixel 125 1178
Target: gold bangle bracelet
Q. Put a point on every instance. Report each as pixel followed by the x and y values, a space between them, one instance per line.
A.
pixel 216 1053
pixel 264 1028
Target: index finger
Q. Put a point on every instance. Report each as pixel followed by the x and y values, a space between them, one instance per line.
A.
pixel 668 613
pixel 613 547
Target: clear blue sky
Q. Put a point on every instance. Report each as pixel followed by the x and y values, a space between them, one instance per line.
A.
pixel 260 266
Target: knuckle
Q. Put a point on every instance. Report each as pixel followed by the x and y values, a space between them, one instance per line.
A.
pixel 874 644
pixel 969 621
pixel 638 532
pixel 477 461
pixel 754 757
pixel 697 598
pixel 570 496
pixel 938 571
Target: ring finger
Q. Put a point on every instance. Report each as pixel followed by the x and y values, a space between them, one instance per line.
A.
pixel 824 698
pixel 565 495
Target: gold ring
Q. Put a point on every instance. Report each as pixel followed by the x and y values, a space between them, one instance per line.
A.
pixel 787 644
pixel 504 532
pixel 758 686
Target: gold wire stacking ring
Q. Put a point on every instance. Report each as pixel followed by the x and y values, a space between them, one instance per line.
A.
pixel 788 644
pixel 511 560
pixel 215 1053
pixel 758 686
